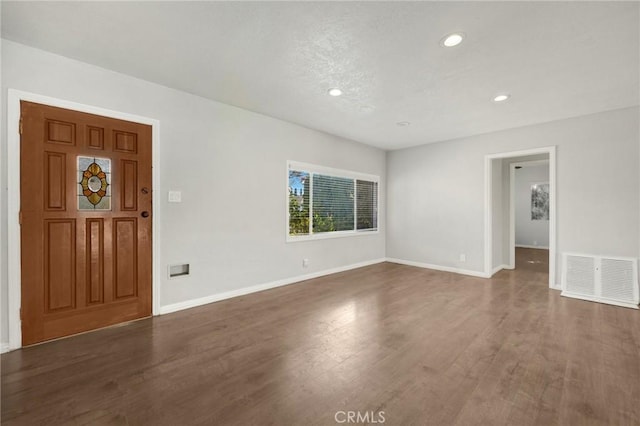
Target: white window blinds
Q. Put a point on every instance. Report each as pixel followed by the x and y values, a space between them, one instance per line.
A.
pixel 326 201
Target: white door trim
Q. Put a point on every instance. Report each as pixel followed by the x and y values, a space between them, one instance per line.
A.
pixel 13 205
pixel 488 211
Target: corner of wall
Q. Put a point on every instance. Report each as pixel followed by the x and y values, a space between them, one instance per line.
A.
pixel 438 267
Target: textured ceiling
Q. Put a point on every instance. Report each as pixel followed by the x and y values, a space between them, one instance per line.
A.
pixel 557 59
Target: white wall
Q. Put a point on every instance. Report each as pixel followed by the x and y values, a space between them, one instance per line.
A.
pixel 230 165
pixel 435 192
pixel 529 232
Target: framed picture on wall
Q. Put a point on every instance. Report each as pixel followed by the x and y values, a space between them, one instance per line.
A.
pixel 540 201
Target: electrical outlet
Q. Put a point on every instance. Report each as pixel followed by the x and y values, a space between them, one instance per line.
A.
pixel 463 257
pixel 535 243
pixel 305 263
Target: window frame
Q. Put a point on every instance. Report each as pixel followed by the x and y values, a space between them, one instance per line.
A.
pixel 339 173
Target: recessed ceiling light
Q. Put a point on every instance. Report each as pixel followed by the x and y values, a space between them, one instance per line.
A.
pixel 452 40
pixel 403 123
pixel 502 97
pixel 335 91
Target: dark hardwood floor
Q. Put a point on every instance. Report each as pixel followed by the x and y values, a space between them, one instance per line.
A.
pixel 533 260
pixel 422 346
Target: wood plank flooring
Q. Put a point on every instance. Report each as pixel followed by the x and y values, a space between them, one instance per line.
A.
pixel 422 346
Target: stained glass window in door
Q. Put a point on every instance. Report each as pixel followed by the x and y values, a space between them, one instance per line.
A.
pixel 94 183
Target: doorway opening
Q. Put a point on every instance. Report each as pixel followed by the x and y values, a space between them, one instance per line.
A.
pixel 529 215
pixel 520 227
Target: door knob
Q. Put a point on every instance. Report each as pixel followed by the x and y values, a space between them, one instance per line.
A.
pixel 144 214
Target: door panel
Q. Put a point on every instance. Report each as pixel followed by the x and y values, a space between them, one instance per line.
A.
pixel 95 137
pixel 86 247
pixel 61 132
pixel 126 142
pixel 60 264
pixel 55 177
pixel 129 191
pixel 95 260
pixel 125 257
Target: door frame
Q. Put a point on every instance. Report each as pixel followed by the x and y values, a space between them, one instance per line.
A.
pixel 488 210
pixel 13 202
pixel 512 205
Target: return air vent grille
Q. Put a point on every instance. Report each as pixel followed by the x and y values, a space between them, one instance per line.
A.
pixel 612 280
pixel 617 279
pixel 581 276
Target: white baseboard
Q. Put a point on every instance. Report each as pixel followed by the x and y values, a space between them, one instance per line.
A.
pixel 4 347
pixel 438 267
pixel 260 287
pixel 599 300
pixel 499 268
pixel 532 247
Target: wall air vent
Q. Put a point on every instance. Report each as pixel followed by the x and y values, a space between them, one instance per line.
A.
pixel 178 270
pixel 612 280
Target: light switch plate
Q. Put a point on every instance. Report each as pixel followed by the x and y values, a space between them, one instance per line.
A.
pixel 175 196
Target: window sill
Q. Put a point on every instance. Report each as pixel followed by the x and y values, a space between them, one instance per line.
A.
pixel 330 235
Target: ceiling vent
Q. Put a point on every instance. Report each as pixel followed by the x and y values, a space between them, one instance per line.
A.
pixel 612 280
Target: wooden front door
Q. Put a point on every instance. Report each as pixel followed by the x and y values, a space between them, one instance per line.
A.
pixel 85 214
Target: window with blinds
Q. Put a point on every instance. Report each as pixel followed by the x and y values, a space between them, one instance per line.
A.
pixel 327 202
